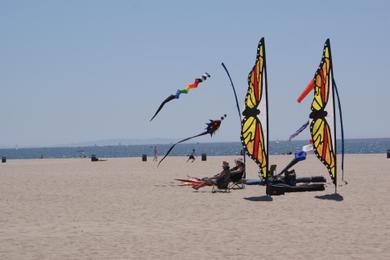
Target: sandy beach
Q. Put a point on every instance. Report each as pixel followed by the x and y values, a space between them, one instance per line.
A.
pixel 124 208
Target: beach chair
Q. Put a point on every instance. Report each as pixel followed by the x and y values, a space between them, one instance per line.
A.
pixel 222 184
pixel 237 181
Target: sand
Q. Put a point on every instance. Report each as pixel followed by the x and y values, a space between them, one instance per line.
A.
pixel 124 208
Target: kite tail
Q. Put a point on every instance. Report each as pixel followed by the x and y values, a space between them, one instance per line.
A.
pixel 192 85
pixel 181 91
pixel 197 81
pixel 171 97
pixel 303 127
pixel 204 77
pixel 183 140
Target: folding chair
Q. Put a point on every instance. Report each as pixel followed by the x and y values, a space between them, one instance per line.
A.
pixel 222 184
pixel 237 181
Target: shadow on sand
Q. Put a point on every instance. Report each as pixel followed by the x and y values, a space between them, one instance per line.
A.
pixel 259 198
pixel 333 196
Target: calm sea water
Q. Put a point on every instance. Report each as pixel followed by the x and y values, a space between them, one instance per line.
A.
pixel 211 149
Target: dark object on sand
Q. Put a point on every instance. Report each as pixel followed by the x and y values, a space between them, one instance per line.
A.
pixel 281 188
pixel 299 156
pixel 297 180
pixel 388 153
pixel 286 180
pixel 94 158
pixel 204 157
pixel 3 159
pixel 144 158
pixel 310 179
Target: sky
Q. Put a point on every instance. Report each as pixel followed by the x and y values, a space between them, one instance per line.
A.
pixel 77 71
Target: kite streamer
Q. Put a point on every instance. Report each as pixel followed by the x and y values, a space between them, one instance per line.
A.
pixel 182 91
pixel 211 128
pixel 303 127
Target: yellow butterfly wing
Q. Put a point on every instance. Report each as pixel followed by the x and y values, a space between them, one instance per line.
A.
pixel 322 132
pixel 252 134
pixel 323 146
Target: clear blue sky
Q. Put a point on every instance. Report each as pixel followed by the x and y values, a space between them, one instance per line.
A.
pixel 73 71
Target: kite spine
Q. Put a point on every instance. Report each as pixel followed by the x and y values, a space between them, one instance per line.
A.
pixel 238 108
pixel 342 129
pixel 266 103
pixel 334 118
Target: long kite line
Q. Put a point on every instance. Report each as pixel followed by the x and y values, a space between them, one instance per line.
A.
pixel 182 91
pixel 211 128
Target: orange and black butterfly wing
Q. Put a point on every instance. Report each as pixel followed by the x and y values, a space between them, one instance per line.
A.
pixel 252 132
pixel 323 145
pixel 321 127
pixel 253 140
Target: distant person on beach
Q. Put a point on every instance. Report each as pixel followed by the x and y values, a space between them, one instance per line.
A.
pixel 155 154
pixel 192 156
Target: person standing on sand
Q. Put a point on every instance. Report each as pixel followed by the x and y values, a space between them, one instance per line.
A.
pixel 155 154
pixel 192 156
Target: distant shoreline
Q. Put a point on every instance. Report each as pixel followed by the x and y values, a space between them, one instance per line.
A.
pixel 118 143
pixel 352 146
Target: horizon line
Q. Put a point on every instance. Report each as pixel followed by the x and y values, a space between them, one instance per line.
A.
pixel 75 145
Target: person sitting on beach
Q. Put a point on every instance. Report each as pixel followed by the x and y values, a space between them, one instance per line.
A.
pixel 216 179
pixel 237 172
pixel 239 168
pixel 192 156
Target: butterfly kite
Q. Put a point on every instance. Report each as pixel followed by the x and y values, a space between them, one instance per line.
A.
pixel 211 128
pixel 322 116
pixel 254 138
pixel 182 91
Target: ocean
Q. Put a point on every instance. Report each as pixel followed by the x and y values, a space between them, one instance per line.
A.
pixel 352 146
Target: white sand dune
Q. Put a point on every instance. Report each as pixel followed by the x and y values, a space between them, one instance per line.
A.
pixel 129 209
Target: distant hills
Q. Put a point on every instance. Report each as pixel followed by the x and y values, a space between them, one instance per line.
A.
pixel 109 142
pixel 104 142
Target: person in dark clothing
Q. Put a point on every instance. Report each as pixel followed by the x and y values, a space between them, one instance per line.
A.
pixel 216 179
pixel 192 156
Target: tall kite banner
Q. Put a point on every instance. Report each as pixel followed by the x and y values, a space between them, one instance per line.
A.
pixel 254 127
pixel 322 116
